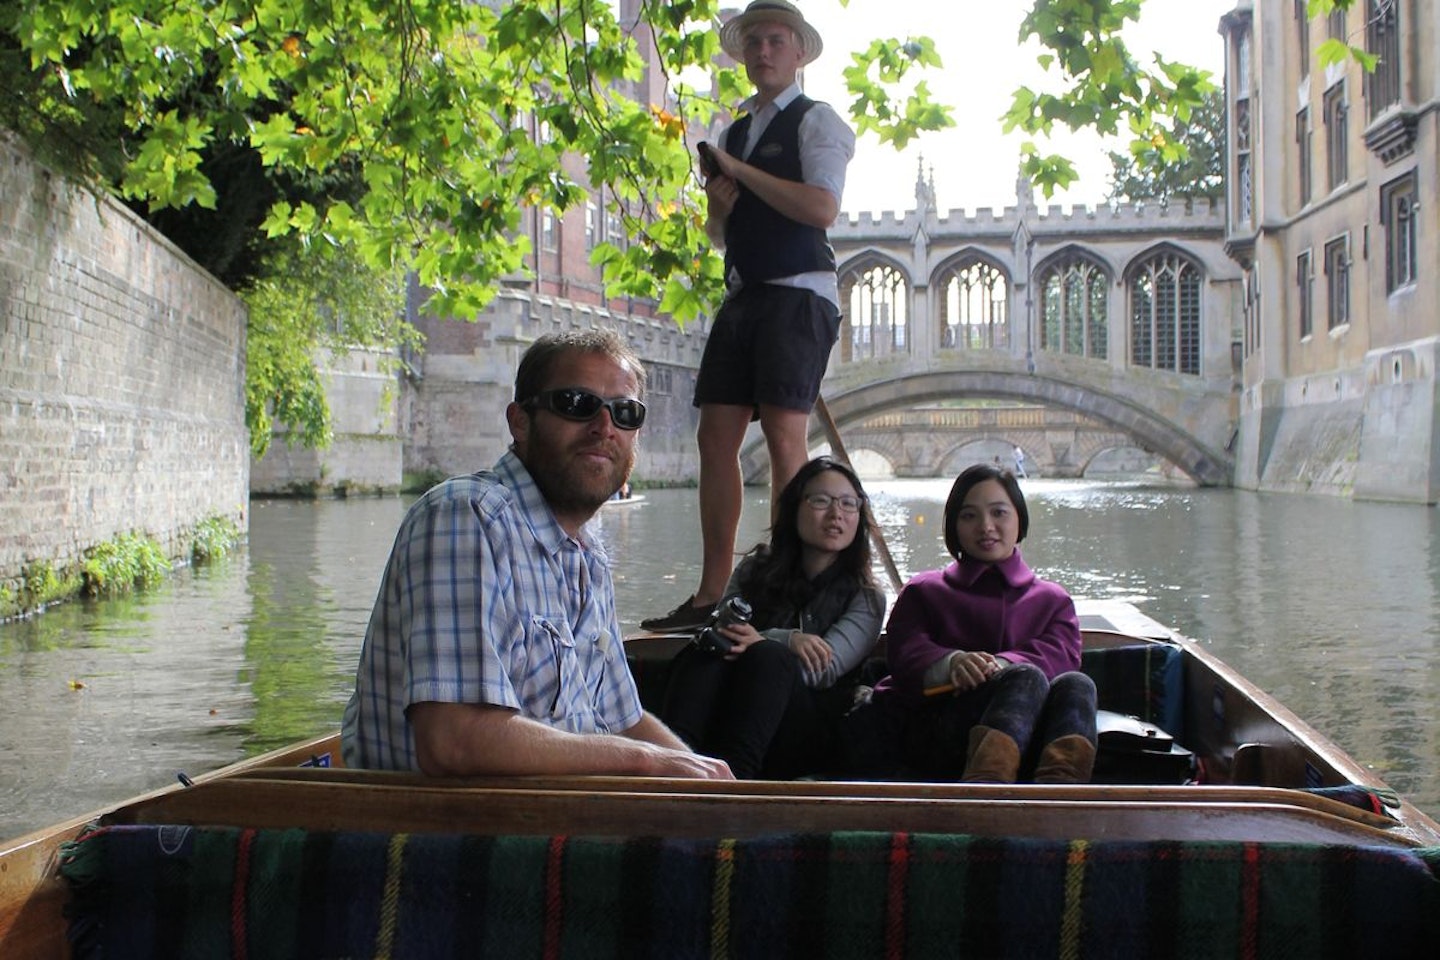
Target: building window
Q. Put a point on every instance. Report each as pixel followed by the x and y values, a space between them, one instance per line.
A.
pixel 1244 185
pixel 1165 316
pixel 1382 38
pixel 547 229
pixel 1074 311
pixel 592 222
pixel 876 296
pixel 615 229
pixel 1304 294
pixel 1337 24
pixel 1302 147
pixel 1336 135
pixel 1397 215
pixel 1251 310
pixel 1302 36
pixel 1243 173
pixel 974 307
pixel 1337 281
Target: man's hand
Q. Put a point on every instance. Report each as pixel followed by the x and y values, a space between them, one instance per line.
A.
pixel 695 766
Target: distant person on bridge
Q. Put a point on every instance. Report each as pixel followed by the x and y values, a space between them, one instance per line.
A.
pixel 1020 462
pixel 985 683
pixel 494 646
pixel 773 185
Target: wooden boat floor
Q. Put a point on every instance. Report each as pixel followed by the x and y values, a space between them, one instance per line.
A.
pixel 668 808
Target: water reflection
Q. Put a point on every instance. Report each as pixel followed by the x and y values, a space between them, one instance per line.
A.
pixel 1329 605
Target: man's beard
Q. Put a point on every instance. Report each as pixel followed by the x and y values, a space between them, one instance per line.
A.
pixel 572 485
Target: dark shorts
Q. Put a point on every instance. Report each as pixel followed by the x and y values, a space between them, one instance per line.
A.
pixel 769 344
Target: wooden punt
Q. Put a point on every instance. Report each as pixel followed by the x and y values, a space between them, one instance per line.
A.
pixel 1265 777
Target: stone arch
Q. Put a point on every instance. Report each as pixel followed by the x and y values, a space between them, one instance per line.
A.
pixel 1150 429
pixel 1073 286
pixel 1090 452
pixel 1164 310
pixel 972 292
pixel 874 307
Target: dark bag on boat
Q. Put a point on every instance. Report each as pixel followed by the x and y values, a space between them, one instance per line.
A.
pixel 1136 751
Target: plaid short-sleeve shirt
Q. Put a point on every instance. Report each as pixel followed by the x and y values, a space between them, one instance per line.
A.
pixel 485 599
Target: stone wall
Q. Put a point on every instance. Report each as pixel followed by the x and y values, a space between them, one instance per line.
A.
pixel 122 368
pixel 364 455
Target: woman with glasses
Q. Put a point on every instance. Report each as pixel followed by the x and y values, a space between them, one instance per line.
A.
pixel 771 705
pixel 985 682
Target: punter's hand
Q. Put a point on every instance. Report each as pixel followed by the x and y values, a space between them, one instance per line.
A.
pixel 970 668
pixel 814 653
pixel 721 192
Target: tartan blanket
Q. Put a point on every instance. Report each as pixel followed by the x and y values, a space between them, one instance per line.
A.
pixel 216 892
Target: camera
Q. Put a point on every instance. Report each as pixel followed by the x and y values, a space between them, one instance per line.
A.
pixel 708 164
pixel 728 612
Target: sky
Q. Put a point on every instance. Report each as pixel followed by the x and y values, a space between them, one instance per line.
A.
pixel 974 164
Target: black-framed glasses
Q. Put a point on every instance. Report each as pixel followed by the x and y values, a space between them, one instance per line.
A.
pixel 846 503
pixel 572 403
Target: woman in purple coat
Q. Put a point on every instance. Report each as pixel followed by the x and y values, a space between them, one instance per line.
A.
pixel 984 659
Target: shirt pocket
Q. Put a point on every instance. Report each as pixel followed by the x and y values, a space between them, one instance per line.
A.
pixel 554 677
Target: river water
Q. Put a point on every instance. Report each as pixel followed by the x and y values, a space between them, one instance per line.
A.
pixel 1330 605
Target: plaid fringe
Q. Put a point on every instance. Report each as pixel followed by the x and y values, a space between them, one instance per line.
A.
pixel 211 893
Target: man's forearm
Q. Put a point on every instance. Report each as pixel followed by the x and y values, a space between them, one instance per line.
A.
pixel 651 730
pixel 802 202
pixel 468 740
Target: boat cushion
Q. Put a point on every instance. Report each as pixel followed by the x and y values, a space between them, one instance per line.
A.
pixel 1144 680
pixel 155 891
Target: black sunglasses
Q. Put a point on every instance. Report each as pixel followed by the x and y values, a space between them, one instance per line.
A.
pixel 572 403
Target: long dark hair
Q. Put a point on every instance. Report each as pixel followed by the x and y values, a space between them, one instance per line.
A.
pixel 776 581
pixel 967 481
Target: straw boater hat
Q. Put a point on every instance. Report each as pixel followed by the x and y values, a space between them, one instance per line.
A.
pixel 732 34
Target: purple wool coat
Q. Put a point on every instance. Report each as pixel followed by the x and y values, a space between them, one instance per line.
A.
pixel 1000 608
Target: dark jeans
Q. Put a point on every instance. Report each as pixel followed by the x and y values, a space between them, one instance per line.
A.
pixel 754 712
pixel 887 739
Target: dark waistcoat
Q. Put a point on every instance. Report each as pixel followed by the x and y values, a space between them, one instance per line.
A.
pixel 760 243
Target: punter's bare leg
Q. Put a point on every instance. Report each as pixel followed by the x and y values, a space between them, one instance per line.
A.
pixel 722 494
pixel 785 439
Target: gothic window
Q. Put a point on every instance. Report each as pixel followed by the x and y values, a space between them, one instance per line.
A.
pixel 1165 314
pixel 1382 38
pixel 1305 294
pixel 876 320
pixel 1397 215
pixel 1336 133
pixel 974 306
pixel 1337 281
pixel 1074 311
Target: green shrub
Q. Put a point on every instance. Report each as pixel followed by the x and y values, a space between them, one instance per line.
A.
pixel 122 564
pixel 214 538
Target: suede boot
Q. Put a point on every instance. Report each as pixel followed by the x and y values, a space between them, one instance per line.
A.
pixel 1068 759
pixel 1066 736
pixel 994 757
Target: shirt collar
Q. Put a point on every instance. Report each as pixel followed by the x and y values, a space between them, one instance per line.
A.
pixel 786 97
pixel 1013 570
pixel 533 505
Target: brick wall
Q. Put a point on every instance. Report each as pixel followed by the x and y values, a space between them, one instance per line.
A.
pixel 122 368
